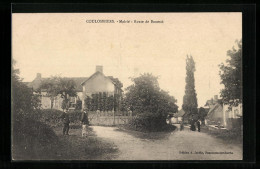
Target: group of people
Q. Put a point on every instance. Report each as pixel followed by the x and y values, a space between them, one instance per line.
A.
pixel 193 123
pixel 66 121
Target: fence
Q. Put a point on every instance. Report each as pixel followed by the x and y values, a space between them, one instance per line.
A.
pixel 109 118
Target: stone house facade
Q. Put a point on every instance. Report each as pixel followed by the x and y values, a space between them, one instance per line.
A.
pixel 84 86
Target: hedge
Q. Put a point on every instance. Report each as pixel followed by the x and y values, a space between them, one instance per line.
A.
pixel 149 122
pixel 52 117
pixel 31 139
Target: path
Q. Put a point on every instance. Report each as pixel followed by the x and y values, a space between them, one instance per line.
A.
pixel 173 147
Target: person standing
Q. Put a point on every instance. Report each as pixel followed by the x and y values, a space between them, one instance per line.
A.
pixel 84 118
pixel 66 122
pixel 198 125
pixel 181 126
pixel 85 122
pixel 192 126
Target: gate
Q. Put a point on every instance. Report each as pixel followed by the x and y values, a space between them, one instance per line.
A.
pixel 109 118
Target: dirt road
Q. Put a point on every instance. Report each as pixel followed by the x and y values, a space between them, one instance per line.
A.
pixel 178 145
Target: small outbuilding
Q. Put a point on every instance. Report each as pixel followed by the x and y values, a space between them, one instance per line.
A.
pixel 179 117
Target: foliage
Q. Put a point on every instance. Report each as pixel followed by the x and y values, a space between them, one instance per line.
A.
pixel 110 104
pixel 149 122
pixel 123 106
pixel 29 135
pixel 23 100
pixel 59 86
pixel 190 98
pixel 52 118
pixel 78 105
pixel 87 103
pixel 202 113
pixel 63 105
pixel 116 102
pixel 31 138
pixel 231 76
pixel 145 95
pixel 148 101
pixel 101 101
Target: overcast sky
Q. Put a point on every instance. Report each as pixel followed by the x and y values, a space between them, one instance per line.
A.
pixel 64 44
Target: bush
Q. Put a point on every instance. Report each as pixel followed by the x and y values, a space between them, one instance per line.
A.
pixel 149 122
pixel 32 139
pixel 52 117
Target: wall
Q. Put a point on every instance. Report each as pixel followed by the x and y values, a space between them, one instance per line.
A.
pixel 232 118
pixel 57 103
pixel 46 102
pixel 80 95
pixel 108 118
pixel 96 84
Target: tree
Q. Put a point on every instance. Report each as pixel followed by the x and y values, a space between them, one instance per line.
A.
pixel 231 76
pixel 23 100
pixel 145 98
pixel 110 103
pixel 104 101
pixel 78 105
pixel 88 103
pixel 190 98
pixel 60 86
pixel 202 113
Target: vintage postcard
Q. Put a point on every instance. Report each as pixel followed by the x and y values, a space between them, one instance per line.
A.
pixel 127 86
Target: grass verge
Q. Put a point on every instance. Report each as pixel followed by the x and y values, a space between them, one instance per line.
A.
pixel 228 136
pixel 34 140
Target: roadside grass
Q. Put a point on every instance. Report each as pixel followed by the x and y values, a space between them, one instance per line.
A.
pixel 35 140
pixel 32 140
pixel 228 136
pixel 76 147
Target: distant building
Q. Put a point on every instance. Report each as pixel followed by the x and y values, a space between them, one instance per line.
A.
pixel 223 115
pixel 84 86
pixel 179 117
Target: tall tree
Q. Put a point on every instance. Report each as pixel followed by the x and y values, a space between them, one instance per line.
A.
pixel 190 98
pixel 231 76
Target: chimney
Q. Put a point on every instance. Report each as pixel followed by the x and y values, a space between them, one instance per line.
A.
pixel 38 76
pixel 99 68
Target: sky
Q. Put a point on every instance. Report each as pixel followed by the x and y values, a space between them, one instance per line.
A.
pixel 65 44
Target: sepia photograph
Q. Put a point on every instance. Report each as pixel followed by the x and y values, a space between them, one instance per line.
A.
pixel 127 86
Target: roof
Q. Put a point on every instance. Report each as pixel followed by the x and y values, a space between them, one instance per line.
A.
pixel 115 81
pixel 217 108
pixel 180 113
pixel 35 84
pixel 212 102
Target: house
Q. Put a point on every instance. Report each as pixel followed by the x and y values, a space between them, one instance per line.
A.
pixel 223 115
pixel 179 117
pixel 233 116
pixel 99 83
pixel 84 86
pixel 215 115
